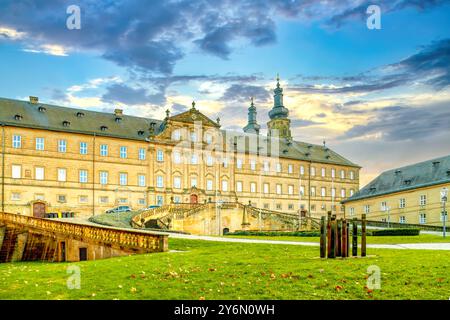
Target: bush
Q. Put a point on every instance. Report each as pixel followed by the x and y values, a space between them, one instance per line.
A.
pixel 396 232
pixel 276 233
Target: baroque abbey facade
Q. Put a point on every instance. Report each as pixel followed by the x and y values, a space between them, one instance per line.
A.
pixel 63 159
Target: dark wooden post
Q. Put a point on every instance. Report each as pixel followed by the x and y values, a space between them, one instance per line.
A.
pixel 363 236
pixel 344 239
pixel 333 237
pixel 323 238
pixel 329 235
pixel 339 238
pixel 355 238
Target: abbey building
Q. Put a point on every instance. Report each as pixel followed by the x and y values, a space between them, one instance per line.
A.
pixel 63 159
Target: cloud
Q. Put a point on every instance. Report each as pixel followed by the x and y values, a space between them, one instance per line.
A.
pixel 50 49
pixel 243 93
pixel 120 92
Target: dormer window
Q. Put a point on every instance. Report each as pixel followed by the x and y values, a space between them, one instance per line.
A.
pixel 407 182
pixel 18 117
pixel 448 172
pixel 103 128
pixel 66 123
pixel 328 157
pixel 80 114
pixel 285 151
pixel 373 189
pixel 140 132
pixel 118 119
pixel 42 109
pixel 307 154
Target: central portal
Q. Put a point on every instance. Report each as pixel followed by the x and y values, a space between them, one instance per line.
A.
pixel 194 198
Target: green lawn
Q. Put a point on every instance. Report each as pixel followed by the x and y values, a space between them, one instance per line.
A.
pixel 423 238
pixel 215 270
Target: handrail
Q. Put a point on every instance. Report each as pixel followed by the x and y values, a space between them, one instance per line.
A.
pixel 128 238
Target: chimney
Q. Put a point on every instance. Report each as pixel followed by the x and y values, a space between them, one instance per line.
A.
pixel 34 100
pixel 118 112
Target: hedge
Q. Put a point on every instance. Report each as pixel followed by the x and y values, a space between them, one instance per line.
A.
pixel 275 233
pixel 396 232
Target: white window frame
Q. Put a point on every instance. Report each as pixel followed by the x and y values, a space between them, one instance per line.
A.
pixel 123 178
pixel 193 182
pixel 225 185
pixel 266 188
pixel 177 182
pixel 83 176
pixel 238 186
pixel 142 154
pixel 253 187
pixel 104 150
pixel 423 199
pixel 290 169
pixel 160 155
pixel 142 180
pixel 62 174
pixel 209 185
pixel 290 189
pixel 402 203
pixel 103 177
pixel 239 163
pixel 62 145
pixel 17 141
pixel 40 144
pixel 39 173
pixel 123 152
pixel 16 171
pixel 279 188
pixel 159 181
pixel 83 148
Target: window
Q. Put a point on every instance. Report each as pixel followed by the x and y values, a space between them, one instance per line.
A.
pixel 141 202
pixel 266 206
pixel 39 173
pixel 402 203
pixel 402 219
pixel 159 200
pixel 83 199
pixel 302 170
pixel 279 206
pixel 290 169
pixel 351 192
pixel 333 173
pixel 62 146
pixel 423 199
pixel 239 186
pixel 83 148
pixel 279 188
pixel 313 207
pixel 343 193
pixel 313 191
pixel 324 172
pixel 383 206
pixel 104 150
pixel 313 171
pixel 61 198
pixel 177 157
pixel 333 193
pixel 352 212
pixel 176 199
pixel 239 163
pixel 123 179
pixel 159 182
pixel 367 208
pixel 290 206
pixel 278 167
pixel 252 187
pixel 123 200
pixel 39 197
pixel 17 141
pixel 208 138
pixel 193 136
pixel 224 185
pixel 225 163
pixel 159 156
pixel 103 177
pixel 266 166
pixel 141 180
pixel 123 152
pixel 142 154
pixel 323 192
pixel 209 160
pixel 302 191
pixel 194 158
pixel 15 196
pixel 103 200
pixel 266 188
pixel 62 175
pixel 16 171
pixel 176 135
pixel 352 175
pixel 253 165
pixel 40 143
pixel 209 184
pixel 342 174
pixel 193 181
pixel 177 182
pixel 83 176
pixel 290 190
pixel 423 218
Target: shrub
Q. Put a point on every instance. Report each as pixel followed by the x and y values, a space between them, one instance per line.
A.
pixel 396 232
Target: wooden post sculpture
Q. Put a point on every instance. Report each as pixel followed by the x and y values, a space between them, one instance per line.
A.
pixel 363 236
pixel 333 236
pixel 348 238
pixel 323 237
pixel 355 238
pixel 339 238
pixel 329 235
pixel 344 239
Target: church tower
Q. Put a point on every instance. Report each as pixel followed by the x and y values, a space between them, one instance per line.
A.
pixel 279 115
pixel 252 126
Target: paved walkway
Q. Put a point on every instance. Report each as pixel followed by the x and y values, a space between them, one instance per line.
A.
pixel 414 246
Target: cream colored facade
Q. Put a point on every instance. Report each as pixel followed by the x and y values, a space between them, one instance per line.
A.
pixel 416 206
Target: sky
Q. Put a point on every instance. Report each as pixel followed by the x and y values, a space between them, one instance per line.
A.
pixel 379 97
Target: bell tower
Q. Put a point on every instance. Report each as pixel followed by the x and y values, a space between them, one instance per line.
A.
pixel 279 120
pixel 252 126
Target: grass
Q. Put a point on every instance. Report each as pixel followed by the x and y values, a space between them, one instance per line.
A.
pixel 216 270
pixel 423 238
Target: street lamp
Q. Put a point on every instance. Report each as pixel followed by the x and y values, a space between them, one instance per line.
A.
pixel 444 193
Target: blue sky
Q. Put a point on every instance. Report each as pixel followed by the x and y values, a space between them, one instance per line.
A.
pixel 373 95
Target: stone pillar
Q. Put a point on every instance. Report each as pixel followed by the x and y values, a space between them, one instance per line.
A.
pixel 245 224
pixel 19 247
pixel 2 235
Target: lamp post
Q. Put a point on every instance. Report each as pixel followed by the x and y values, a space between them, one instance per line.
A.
pixel 388 216
pixel 444 193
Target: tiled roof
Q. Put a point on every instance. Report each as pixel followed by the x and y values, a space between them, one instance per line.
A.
pixel 423 174
pixel 50 117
